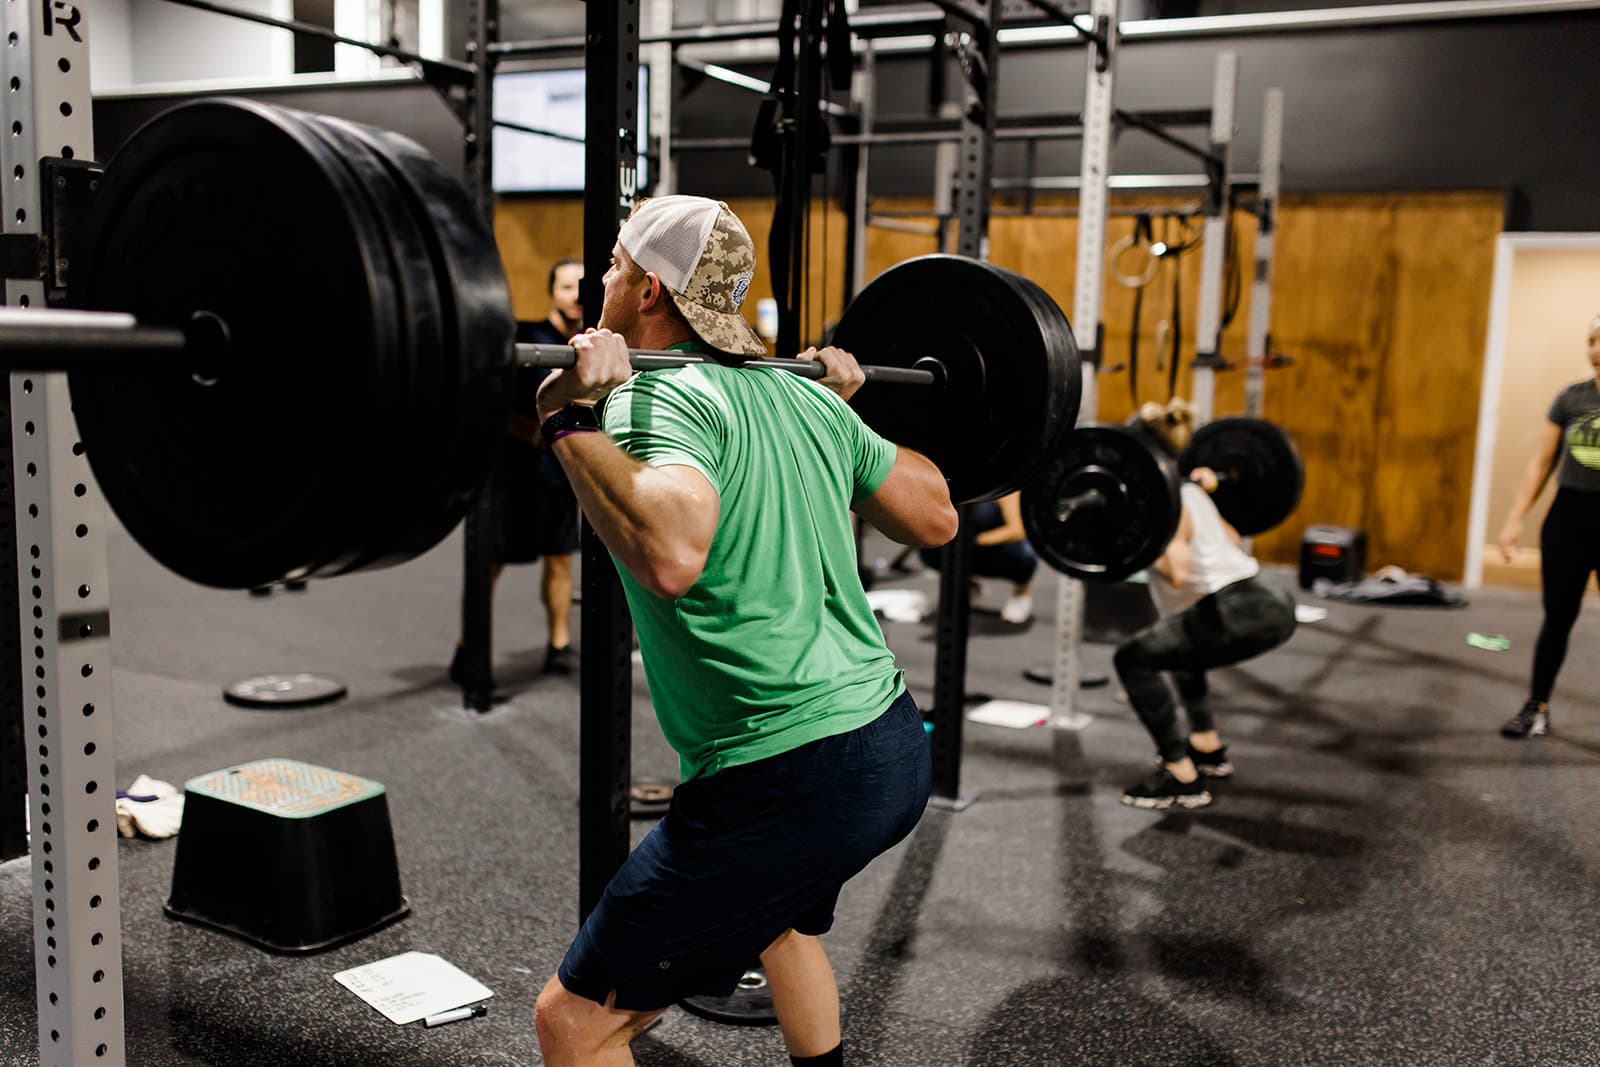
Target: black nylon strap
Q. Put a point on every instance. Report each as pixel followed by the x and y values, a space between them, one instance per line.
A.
pixel 841 63
pixel 1177 325
pixel 1133 347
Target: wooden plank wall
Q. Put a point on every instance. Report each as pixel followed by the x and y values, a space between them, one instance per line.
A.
pixel 1382 300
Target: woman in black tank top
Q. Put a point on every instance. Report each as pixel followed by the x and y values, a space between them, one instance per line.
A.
pixel 1569 540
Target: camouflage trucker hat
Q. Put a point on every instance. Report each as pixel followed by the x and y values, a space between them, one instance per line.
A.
pixel 704 256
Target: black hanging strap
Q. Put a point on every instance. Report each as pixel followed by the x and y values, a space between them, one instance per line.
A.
pixel 1142 234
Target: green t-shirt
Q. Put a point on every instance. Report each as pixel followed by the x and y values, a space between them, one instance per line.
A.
pixel 775 646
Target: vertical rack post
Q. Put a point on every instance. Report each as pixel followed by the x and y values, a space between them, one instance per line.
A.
pixel 1094 176
pixel 1260 339
pixel 980 50
pixel 13 748
pixel 1214 251
pixel 864 90
pixel 477 584
pixel 63 606
pixel 611 62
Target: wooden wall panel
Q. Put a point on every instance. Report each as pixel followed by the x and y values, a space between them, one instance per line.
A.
pixel 1428 400
pixel 1382 300
pixel 532 235
pixel 535 232
pixel 1331 310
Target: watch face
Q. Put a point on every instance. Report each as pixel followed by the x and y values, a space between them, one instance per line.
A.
pixel 578 415
pixel 571 417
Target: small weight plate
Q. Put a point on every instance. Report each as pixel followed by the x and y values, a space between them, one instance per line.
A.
pixel 750 1003
pixel 649 799
pixel 284 691
pixel 1262 476
pixel 1132 525
pixel 1011 379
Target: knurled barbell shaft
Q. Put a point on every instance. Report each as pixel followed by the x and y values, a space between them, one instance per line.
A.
pixel 558 356
pixel 51 340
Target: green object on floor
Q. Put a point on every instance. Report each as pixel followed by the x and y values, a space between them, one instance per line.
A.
pixel 1496 643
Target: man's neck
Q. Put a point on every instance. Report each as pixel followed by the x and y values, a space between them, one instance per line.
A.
pixel 658 337
pixel 566 326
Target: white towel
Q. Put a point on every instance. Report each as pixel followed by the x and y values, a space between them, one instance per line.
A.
pixel 156 818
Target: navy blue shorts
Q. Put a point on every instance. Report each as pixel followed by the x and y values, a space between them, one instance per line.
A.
pixel 532 509
pixel 746 854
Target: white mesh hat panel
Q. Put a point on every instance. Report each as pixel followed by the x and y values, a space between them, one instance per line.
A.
pixel 705 259
pixel 667 234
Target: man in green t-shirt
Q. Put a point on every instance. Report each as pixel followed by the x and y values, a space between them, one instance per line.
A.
pixel 724 495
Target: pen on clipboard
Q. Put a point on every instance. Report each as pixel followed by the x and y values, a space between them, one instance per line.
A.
pixel 455 1015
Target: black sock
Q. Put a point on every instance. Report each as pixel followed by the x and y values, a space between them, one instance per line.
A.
pixel 834 1058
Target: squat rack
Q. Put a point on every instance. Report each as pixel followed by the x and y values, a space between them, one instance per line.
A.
pixel 58 518
pixel 605 677
pixel 1067 673
pixel 59 712
pixel 62 542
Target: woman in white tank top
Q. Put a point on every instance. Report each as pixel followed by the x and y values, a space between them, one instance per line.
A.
pixel 1215 613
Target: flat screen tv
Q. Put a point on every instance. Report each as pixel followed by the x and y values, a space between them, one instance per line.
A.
pixel 549 100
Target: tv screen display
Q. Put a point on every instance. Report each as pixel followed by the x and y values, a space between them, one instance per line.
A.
pixel 549 100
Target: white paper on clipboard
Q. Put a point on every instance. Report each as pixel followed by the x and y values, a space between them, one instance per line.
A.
pixel 412 985
pixel 1012 713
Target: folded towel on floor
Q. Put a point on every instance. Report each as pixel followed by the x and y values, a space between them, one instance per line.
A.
pixel 149 807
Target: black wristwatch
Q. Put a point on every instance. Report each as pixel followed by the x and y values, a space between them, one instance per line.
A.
pixel 574 418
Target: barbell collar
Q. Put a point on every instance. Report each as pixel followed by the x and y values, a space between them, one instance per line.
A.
pixel 643 359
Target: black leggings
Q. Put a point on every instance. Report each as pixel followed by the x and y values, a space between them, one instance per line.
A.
pixel 1235 623
pixel 1569 551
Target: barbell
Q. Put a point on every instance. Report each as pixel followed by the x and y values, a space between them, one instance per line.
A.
pixel 296 349
pixel 1108 502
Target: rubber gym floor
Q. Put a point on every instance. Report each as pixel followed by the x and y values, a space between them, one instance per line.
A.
pixel 1386 881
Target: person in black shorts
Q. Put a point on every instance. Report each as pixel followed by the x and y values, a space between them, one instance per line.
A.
pixel 724 494
pixel 1569 540
pixel 533 512
pixel 1001 550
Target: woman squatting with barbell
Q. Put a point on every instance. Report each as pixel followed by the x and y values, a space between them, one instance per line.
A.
pixel 1215 613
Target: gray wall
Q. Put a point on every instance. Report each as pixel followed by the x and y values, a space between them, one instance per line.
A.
pixel 110 50
pixel 170 43
pixel 1509 104
pixel 1506 104
pixel 409 107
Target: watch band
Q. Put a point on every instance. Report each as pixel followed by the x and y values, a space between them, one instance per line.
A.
pixel 574 418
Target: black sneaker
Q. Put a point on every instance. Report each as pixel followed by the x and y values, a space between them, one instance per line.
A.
pixel 1161 790
pixel 559 660
pixel 1212 764
pixel 1531 721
